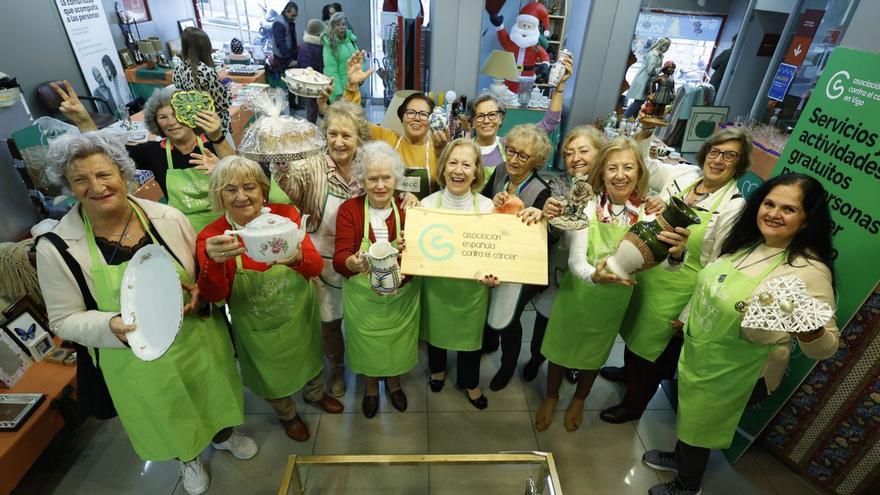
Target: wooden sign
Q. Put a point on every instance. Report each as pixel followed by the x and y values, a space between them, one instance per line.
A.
pixel 446 243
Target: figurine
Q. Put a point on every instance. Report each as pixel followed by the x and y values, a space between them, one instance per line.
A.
pixel 662 90
pixel 641 82
pixel 523 38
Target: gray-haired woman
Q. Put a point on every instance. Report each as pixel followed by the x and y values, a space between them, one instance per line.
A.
pixel 171 407
pixel 381 331
pixel 181 162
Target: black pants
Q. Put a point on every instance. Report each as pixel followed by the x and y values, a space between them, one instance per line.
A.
pixel 538 332
pixel 692 460
pixel 468 366
pixel 511 336
pixel 643 376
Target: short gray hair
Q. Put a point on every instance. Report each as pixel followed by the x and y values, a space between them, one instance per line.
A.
pixel 232 168
pixel 351 111
pixel 160 98
pixel 72 146
pixel 377 152
pixel 486 96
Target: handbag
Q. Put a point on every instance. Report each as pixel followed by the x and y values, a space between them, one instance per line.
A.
pixel 91 389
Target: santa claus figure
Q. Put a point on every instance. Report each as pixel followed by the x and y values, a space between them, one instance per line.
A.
pixel 522 40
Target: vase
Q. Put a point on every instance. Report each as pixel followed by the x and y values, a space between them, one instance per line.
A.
pixel 384 269
pixel 438 120
pixel 640 249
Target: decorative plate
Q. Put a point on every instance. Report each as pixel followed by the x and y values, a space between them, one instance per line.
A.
pixel 187 104
pixel 152 299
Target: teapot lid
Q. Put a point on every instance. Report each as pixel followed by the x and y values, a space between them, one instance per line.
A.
pixel 267 220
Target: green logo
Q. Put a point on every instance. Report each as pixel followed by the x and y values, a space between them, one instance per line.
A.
pixel 431 242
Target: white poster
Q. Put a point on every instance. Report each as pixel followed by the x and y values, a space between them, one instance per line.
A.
pixel 92 43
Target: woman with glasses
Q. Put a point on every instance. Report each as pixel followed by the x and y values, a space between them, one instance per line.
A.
pixel 487 116
pixel 527 149
pixel 784 230
pixel 418 147
pixel 592 301
pixel 652 343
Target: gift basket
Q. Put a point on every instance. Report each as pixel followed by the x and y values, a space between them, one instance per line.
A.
pixel 274 137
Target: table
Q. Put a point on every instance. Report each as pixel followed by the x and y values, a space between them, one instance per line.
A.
pixel 19 449
pixel 239 118
pixel 143 81
pixel 460 473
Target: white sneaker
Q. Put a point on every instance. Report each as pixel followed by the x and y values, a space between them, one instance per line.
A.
pixel 240 446
pixel 195 477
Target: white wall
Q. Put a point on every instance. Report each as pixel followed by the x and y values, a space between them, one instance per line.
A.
pixel 454 57
pixel 862 31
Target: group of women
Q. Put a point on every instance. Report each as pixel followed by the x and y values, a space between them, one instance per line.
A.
pixel 288 315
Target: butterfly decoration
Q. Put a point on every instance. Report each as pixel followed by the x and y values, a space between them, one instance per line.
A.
pixel 28 334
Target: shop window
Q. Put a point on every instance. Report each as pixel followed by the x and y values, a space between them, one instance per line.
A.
pixel 693 38
pixel 247 20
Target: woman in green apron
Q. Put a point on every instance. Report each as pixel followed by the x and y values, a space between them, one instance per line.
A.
pixel 652 344
pixel 381 331
pixel 580 149
pixel 591 301
pixel 317 188
pixel 181 162
pixel 274 314
pixel 454 310
pixel 784 230
pixel 171 407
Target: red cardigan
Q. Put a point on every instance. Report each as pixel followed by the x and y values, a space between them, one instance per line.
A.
pixel 215 279
pixel 350 231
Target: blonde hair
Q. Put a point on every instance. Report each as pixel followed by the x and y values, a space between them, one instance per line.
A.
pixel 620 143
pixel 594 136
pixel 479 173
pixel 534 137
pixel 235 169
pixel 351 111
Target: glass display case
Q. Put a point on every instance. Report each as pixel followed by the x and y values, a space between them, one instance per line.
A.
pixel 530 473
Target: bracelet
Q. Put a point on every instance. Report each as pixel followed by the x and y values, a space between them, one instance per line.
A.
pixel 221 140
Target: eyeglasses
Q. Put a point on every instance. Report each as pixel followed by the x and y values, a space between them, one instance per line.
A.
pixel 412 114
pixel 727 156
pixel 513 152
pixel 490 116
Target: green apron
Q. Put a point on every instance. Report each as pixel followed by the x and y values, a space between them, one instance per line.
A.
pixel 453 309
pixel 660 294
pixel 381 332
pixel 277 195
pixel 187 190
pixel 173 406
pixel 586 317
pixel 718 369
pixel 277 329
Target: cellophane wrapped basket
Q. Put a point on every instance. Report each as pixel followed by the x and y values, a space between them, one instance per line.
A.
pixel 274 137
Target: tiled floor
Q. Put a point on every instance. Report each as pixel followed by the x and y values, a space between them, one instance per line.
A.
pixel 599 458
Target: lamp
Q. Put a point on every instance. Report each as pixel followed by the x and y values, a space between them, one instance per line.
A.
pixel 500 65
pixel 159 51
pixel 145 48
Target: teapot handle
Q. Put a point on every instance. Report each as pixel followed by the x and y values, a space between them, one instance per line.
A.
pixel 232 232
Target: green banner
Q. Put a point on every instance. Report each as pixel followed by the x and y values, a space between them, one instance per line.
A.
pixel 837 140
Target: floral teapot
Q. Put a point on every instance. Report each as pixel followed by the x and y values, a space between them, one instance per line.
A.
pixel 270 237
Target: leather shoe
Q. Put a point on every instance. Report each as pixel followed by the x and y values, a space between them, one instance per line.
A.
pixel 370 405
pixel 480 402
pixel 617 414
pixel 436 385
pixel 398 399
pixel 530 370
pixel 616 374
pixel 500 380
pixel 327 404
pixel 296 429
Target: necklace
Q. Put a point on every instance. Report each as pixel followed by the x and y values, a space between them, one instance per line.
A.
pixel 615 216
pixel 123 235
pixel 739 266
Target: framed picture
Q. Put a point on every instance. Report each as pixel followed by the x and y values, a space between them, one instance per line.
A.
pixel 701 125
pixel 137 10
pixel 27 325
pixel 13 361
pixel 185 23
pixel 126 58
